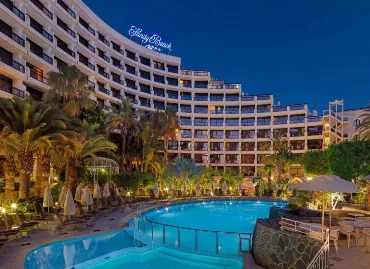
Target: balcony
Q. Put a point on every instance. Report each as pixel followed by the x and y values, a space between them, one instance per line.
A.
pixel 172 82
pixel 232 136
pixel 38 76
pixel 66 8
pixel 232 111
pixel 314 147
pixel 145 89
pixel 200 123
pixel 159 79
pixel 200 111
pixel 201 148
pixel 12 90
pixel 186 97
pixel 247 110
pixel 185 123
pixel 232 161
pixel 158 93
pixel 131 55
pixel 65 27
pixel 263 97
pixel 263 123
pixel 9 4
pixel 297 121
pixel 172 96
pixel 16 38
pixel 263 135
pixel 314 133
pixel 296 107
pixel 40 6
pixel 200 73
pixel 217 98
pixel 90 84
pixel 103 90
pixel 117 95
pixel 200 98
pixel 172 69
pixel 279 108
pixel 65 48
pixel 186 109
pixel 200 136
pixel 201 85
pixel 217 123
pixel 296 134
pixel 263 109
pixel 42 55
pixel 314 119
pixel 232 148
pixel 186 72
pixel 87 26
pixel 186 135
pixel 186 85
pixel 232 98
pixel 279 122
pixel 131 85
pixel 232 123
pixel 247 123
pixel 84 42
pixel 247 98
pixel 232 86
pixel 217 136
pixel 158 65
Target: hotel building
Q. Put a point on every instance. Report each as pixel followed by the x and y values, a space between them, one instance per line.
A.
pixel 220 126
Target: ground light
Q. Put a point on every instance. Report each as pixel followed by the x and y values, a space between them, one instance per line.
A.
pixel 14 206
pixel 3 210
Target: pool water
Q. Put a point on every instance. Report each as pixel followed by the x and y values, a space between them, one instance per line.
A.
pixel 65 254
pixel 231 216
pixel 165 258
pixel 215 227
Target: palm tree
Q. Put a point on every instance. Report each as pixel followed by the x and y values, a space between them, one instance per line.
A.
pixel 125 123
pixel 9 168
pixel 269 167
pixel 159 165
pixel 170 126
pixel 30 126
pixel 89 146
pixel 68 87
pixel 364 128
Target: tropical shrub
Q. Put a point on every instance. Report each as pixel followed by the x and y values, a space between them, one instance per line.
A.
pixel 316 163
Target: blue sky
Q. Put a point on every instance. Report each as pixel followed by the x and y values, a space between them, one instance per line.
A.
pixel 304 51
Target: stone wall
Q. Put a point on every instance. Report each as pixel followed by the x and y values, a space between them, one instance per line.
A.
pixel 277 249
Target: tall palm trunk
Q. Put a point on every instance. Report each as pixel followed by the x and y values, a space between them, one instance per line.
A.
pixel 9 173
pixel 123 152
pixel 71 173
pixel 165 140
pixel 42 173
pixel 24 165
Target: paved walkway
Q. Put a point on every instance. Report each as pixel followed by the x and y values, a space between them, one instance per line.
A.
pixel 12 256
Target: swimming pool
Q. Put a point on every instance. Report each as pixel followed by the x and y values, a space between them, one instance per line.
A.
pixel 218 227
pixel 117 250
pixel 210 234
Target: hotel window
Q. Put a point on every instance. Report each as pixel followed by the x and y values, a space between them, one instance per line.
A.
pixel 356 122
pixel 35 72
pixel 217 122
pixel 158 65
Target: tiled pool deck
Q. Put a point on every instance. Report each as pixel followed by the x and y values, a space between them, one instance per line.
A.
pixel 12 256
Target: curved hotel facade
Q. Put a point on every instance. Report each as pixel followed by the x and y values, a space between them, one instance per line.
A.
pixel 219 125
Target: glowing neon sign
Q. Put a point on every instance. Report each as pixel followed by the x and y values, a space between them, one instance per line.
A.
pixel 153 42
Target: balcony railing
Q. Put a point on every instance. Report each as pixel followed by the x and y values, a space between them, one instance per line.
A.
pixel 91 66
pixel 16 65
pixel 263 123
pixel 296 134
pixel 232 111
pixel 117 95
pixel 173 82
pixel 186 72
pixel 200 123
pixel 296 107
pixel 103 90
pixel 232 136
pixel 314 133
pixel 38 76
pixel 12 90
pixel 247 98
pixel 186 123
pixel 228 123
pixel 200 136
pixel 279 122
pixel 296 121
pixel 186 135
pixel 186 85
pixel 247 123
pixel 40 6
pixel 200 73
pixel 217 99
pixel 247 111
pixel 201 86
pixel 217 123
pixel 201 98
pixel 131 85
pixel 279 108
pixel 173 96
pixel 66 8
pixel 186 109
pixel 310 147
pixel 263 97
pixel 186 97
pixel 201 111
pixel 232 86
pixel 314 119
pixel 263 109
pixel 18 39
pixel 15 10
pixel 217 136
pixel 104 74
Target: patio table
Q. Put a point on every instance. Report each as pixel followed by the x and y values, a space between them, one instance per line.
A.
pixel 358 225
pixel 355 215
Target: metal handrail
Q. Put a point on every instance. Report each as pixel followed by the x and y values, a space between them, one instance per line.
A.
pixel 216 232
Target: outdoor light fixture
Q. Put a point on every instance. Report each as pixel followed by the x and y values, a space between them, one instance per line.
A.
pixel 128 193
pixel 309 178
pixel 230 188
pixel 56 203
pixel 166 189
pixel 14 206
pixel 211 193
pixel 3 210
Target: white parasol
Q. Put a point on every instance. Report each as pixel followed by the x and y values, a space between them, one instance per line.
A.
pixel 106 191
pixel 79 192
pixel 87 199
pixel 48 199
pixel 62 195
pixel 97 191
pixel 224 186
pixel 69 205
